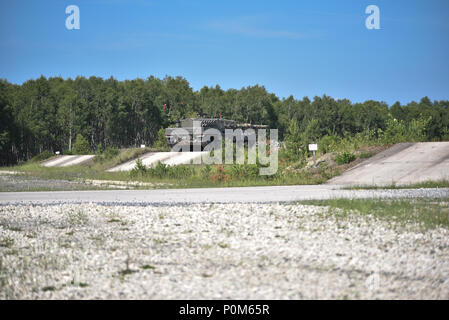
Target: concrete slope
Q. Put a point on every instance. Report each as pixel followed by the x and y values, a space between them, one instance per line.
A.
pixel 152 158
pixel 64 161
pixel 402 164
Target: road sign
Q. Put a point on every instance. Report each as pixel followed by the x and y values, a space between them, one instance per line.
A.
pixel 313 147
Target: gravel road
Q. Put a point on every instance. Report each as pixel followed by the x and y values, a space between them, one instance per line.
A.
pixel 212 195
pixel 215 251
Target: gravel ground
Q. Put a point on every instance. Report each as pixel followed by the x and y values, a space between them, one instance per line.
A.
pixel 10 182
pixel 13 181
pixel 215 251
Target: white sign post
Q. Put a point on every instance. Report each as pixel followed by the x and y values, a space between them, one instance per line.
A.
pixel 313 147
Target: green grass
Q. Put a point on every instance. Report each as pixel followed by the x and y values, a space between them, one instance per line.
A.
pixel 33 188
pixel 428 213
pixel 421 185
pixel 183 176
pixel 365 154
pixel 95 170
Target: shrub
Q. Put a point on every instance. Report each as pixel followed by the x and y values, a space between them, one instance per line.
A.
pixel 107 154
pixel 206 171
pixel 328 143
pixel 81 145
pixel 219 174
pixel 42 156
pixel 161 143
pixel 239 171
pixel 344 157
pixel 293 139
pixel 159 171
pixel 110 152
pixel 445 134
pixel 399 131
pixel 99 149
pixel 366 154
pixel 139 170
pixel 180 171
pixel 162 171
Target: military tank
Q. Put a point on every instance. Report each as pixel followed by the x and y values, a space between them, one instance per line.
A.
pixel 195 128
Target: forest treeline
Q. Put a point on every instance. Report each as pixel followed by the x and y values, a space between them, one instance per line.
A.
pixel 48 114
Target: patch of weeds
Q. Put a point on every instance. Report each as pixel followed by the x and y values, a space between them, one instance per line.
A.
pixel 147 267
pixel 366 154
pixel 126 272
pixel 3 275
pixel 71 233
pixel 428 213
pixel 77 217
pixel 114 217
pixel 44 221
pixel 223 245
pixel 15 228
pixel 78 284
pixel 431 184
pixel 226 231
pixel 12 252
pixel 65 246
pixel 97 239
pixel 206 275
pixel 49 288
pixel 159 241
pixel 344 157
pixel 7 242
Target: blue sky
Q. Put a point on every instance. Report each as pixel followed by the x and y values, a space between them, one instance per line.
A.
pixel 303 48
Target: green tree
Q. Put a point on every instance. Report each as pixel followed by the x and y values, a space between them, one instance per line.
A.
pixel 44 114
pixel 81 145
pixel 293 140
pixel 7 127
